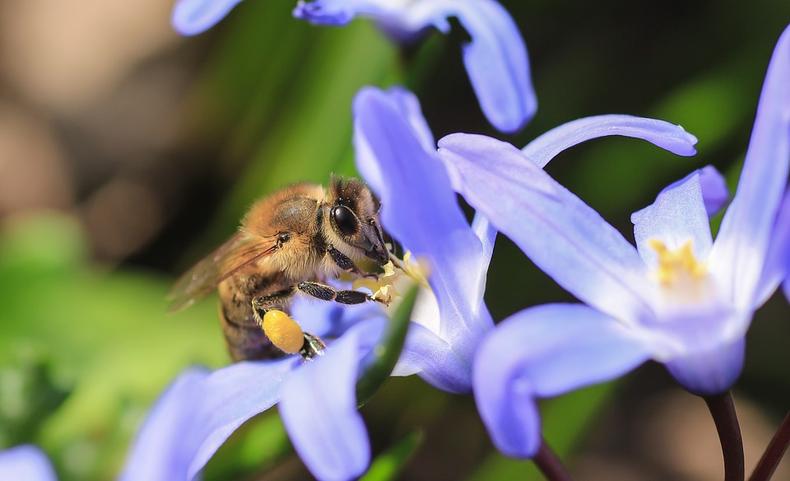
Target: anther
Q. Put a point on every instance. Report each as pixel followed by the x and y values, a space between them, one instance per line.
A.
pixel 674 264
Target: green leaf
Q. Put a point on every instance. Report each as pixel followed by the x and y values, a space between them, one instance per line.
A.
pixel 28 393
pixel 389 464
pixel 106 334
pixel 387 352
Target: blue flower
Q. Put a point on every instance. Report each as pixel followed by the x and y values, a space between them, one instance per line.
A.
pixel 495 58
pixel 26 463
pixel 678 297
pixel 317 403
pixel 396 155
pixel 780 247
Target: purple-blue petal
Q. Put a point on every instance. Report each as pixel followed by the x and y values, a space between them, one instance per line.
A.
pixel 740 249
pixel 777 261
pixel 25 463
pixel 319 410
pixel 366 159
pixel 160 451
pixel 191 17
pixel 327 12
pixel 407 179
pixel 510 414
pixel 497 64
pixel 195 416
pixel 714 188
pixel 487 234
pixel 677 216
pixel 561 234
pixel 663 134
pixel 709 372
pixel 231 396
pixel 545 351
pixel 431 357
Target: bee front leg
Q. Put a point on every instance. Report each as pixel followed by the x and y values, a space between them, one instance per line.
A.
pixel 345 263
pixel 328 293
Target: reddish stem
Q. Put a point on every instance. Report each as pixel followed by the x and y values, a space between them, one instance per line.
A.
pixel 723 411
pixel 550 465
pixel 773 453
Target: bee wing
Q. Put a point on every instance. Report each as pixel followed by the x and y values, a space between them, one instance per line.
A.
pixel 237 252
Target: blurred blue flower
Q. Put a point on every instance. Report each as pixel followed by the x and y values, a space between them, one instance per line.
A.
pixel 396 155
pixel 678 297
pixel 25 463
pixel 317 402
pixel 495 58
pixel 191 17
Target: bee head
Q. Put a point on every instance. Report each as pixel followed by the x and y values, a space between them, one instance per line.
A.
pixel 354 218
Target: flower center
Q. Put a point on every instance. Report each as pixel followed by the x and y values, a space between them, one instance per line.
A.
pixel 678 266
pixel 385 286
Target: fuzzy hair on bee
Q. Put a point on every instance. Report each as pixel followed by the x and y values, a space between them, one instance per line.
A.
pixel 289 242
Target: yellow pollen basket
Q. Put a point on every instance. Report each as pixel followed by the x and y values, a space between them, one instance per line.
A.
pixel 676 265
pixel 283 331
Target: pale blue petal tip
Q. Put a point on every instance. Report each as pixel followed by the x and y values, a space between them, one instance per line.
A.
pixel 25 463
pixel 192 17
pixel 322 13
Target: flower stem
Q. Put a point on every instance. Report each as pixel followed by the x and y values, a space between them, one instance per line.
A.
pixel 722 410
pixel 773 453
pixel 550 465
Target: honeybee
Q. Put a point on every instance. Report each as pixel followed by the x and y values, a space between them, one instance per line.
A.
pixel 288 242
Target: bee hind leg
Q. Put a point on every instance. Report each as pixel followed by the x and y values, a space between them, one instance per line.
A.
pixel 313 346
pixel 260 304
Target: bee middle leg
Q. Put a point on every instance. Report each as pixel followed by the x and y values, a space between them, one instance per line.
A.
pixel 328 293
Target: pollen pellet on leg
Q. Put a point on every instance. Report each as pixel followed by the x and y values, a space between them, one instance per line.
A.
pixel 283 331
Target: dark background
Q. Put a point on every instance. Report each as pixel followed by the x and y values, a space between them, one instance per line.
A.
pixel 127 153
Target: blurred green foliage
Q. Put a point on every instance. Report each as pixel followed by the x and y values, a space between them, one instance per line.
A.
pixel 389 464
pixel 84 350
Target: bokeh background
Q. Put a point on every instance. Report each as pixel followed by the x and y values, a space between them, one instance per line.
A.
pixel 127 153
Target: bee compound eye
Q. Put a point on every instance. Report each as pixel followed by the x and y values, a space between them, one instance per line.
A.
pixel 345 220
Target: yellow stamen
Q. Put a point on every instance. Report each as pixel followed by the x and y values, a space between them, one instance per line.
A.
pixel 674 265
pixel 416 270
pixel 384 287
pixel 283 331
